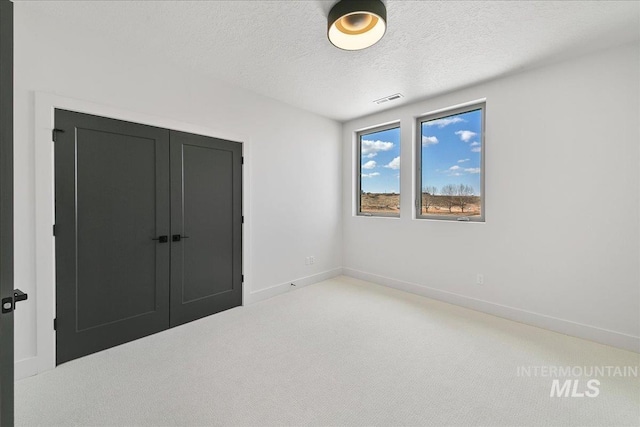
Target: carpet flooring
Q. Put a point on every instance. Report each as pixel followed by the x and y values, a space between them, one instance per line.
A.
pixel 344 353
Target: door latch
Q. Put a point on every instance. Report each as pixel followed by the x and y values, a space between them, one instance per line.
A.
pixel 9 303
pixel 162 239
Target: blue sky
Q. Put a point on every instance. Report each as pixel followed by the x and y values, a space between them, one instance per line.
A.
pixel 451 151
pixel 451 154
pixel 380 161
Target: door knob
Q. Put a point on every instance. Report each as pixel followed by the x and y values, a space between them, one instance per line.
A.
pixel 177 237
pixel 162 239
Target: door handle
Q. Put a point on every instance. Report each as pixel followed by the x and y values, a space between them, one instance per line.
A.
pixel 162 239
pixel 9 304
pixel 177 237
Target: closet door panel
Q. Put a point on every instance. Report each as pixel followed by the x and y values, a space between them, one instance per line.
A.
pixel 112 201
pixel 206 223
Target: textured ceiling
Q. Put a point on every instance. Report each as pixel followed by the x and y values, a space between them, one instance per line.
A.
pixel 279 48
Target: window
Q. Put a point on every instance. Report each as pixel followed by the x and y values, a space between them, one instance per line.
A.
pixel 378 164
pixel 450 169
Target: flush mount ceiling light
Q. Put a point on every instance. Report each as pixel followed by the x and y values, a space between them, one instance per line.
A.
pixel 357 24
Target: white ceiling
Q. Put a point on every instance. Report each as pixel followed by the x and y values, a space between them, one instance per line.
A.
pixel 279 48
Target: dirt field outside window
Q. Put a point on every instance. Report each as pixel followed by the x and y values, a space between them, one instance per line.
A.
pixel 389 203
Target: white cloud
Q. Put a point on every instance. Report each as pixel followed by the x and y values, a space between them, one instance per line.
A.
pixel 443 122
pixel 454 168
pixel 369 165
pixel 463 160
pixel 373 147
pixel 476 149
pixel 370 175
pixel 429 140
pixel 472 170
pixel 371 155
pixel 465 135
pixel 474 144
pixel 394 164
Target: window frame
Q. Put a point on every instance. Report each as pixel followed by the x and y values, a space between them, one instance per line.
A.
pixel 440 114
pixel 358 158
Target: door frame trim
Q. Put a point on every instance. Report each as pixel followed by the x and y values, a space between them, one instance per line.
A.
pixel 45 105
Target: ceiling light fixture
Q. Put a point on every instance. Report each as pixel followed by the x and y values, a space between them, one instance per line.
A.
pixel 357 24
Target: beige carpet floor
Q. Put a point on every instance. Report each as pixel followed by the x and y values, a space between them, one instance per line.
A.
pixel 340 352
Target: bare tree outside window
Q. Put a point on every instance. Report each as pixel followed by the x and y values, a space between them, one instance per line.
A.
pixel 464 195
pixel 428 197
pixel 449 192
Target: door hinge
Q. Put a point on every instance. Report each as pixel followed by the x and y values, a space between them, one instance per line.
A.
pixel 243 219
pixel 242 278
pixel 54 133
pixel 54 230
pixel 242 160
pixel 55 324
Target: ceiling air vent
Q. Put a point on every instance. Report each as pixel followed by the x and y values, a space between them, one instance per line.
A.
pixel 388 98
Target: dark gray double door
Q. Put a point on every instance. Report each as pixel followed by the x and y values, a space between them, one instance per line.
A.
pixel 148 230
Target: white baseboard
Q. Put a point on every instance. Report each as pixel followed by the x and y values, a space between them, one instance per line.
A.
pixel 567 327
pixel 25 368
pixel 301 282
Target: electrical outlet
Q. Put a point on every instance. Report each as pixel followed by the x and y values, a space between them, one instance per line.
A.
pixel 480 279
pixel 312 260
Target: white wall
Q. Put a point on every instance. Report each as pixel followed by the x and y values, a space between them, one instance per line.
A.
pixel 560 246
pixel 561 239
pixel 295 164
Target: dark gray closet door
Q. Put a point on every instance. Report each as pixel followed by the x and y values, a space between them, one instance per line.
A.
pixel 6 211
pixel 206 226
pixel 112 201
